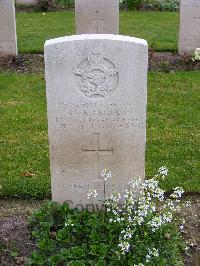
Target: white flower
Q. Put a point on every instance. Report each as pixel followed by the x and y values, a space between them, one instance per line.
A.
pixel 178 191
pixel 69 223
pixel 124 246
pixel 106 174
pixel 187 248
pixel 163 171
pixel 196 56
pixel 135 183
pixel 181 227
pixel 92 194
pixel 167 217
pixel 148 257
pixel 187 204
pixel 151 253
pixel 155 252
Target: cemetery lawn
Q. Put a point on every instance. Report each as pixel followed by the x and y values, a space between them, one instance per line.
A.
pixel 172 133
pixel 160 29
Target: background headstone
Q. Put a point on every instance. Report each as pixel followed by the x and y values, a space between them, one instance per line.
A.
pixel 96 98
pixel 8 38
pixel 97 16
pixel 27 2
pixel 189 36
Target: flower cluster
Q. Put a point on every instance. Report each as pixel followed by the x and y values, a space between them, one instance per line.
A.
pixel 178 192
pixel 143 203
pixel 106 174
pixel 196 56
pixel 92 194
pixel 163 171
pixel 152 253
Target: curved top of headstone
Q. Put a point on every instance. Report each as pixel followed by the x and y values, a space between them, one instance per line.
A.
pixel 82 37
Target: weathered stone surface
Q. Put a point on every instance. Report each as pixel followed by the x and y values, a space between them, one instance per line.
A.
pixel 189 36
pixel 8 39
pixel 27 2
pixel 96 95
pixel 97 16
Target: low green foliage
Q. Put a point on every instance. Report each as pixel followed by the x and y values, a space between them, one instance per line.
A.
pixel 131 4
pixel 163 5
pixel 92 240
pixel 65 3
pixel 160 29
pixel 45 5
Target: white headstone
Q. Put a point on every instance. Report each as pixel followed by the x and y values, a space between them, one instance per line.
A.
pixel 8 39
pixel 97 16
pixel 189 36
pixel 96 95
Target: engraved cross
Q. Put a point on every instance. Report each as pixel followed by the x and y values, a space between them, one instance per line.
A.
pixel 98 151
pixel 97 21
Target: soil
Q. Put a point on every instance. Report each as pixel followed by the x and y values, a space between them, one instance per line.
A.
pixel 16 244
pixel 33 8
pixel 169 62
pixel 163 62
pixel 191 231
pixel 29 63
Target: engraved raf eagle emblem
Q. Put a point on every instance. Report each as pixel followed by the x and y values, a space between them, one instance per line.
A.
pixel 98 76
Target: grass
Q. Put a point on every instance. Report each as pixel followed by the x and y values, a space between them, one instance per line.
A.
pixel 173 128
pixel 172 132
pixel 23 141
pixel 160 29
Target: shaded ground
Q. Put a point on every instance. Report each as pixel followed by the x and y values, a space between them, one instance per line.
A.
pixel 167 62
pixel 15 243
pixel 191 232
pixel 163 62
pixel 32 63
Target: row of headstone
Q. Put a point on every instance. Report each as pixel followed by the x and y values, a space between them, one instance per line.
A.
pixel 97 16
pixel 102 16
pixel 8 37
pixel 189 37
